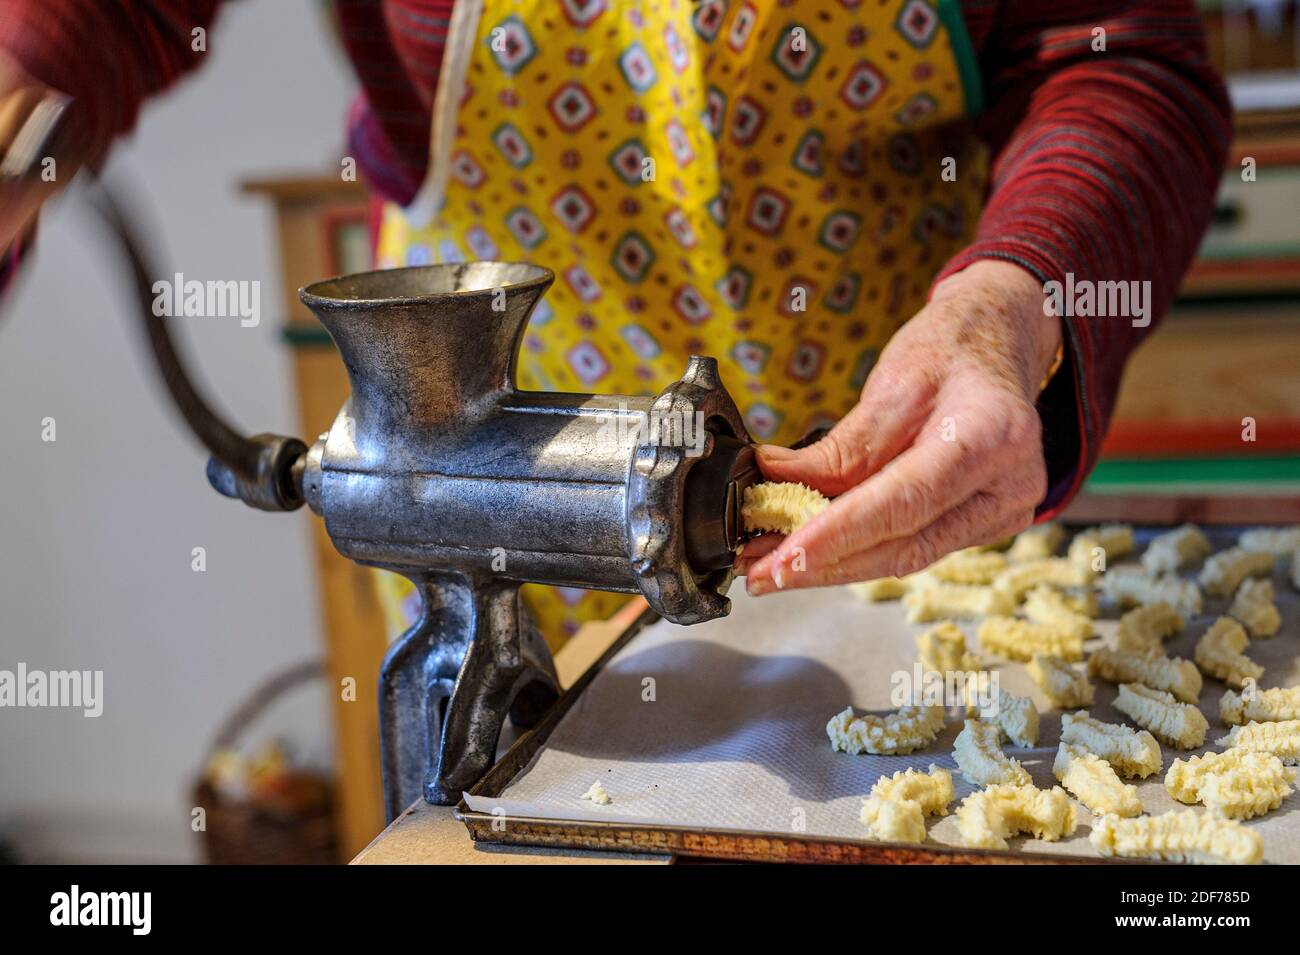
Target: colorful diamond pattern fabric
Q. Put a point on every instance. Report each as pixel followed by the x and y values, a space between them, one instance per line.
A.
pixel 755 180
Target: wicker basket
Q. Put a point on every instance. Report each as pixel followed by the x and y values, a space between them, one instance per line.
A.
pixel 298 829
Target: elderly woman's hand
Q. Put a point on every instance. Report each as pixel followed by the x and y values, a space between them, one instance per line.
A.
pixel 944 450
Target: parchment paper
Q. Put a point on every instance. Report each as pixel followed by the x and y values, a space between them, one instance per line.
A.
pixel 723 724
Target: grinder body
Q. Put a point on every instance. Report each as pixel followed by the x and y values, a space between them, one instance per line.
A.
pixel 438 468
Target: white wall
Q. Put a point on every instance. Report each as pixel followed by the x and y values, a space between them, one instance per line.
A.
pixel 96 529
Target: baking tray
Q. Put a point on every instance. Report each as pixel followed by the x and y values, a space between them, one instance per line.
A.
pixel 754 846
pixel 728 844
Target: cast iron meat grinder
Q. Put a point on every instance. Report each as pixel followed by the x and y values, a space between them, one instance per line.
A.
pixel 439 469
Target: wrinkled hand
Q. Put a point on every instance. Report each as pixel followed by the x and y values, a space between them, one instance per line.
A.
pixel 944 450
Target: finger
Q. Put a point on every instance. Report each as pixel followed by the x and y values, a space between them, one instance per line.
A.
pixel 984 517
pixel 876 430
pixel 912 491
pixel 760 546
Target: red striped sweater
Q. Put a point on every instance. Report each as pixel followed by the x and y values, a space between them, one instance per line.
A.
pixel 1106 164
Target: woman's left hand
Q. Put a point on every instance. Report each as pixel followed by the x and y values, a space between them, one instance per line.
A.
pixel 943 450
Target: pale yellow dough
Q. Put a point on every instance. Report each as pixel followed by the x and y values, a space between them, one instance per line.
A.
pixel 1172 674
pixel 1224 572
pixel 963 601
pixel 1254 607
pixel 978 751
pixel 908 729
pixel 1173 550
pixel 1015 716
pixel 1047 605
pixel 780 508
pixel 986 819
pixel 1236 783
pixel 970 566
pixel 1179 725
pixel 1129 587
pixel 895 810
pixel 1063 685
pixel 1019 579
pixel 942 649
pixel 1093 781
pixel 1282 739
pixel 1113 540
pixel 1021 640
pixel 882 588
pixel 597 794
pixel 1130 752
pixel 1037 542
pixel 1178 836
pixel 1218 654
pixel 1144 629
pixel 1264 706
pixel 1278 541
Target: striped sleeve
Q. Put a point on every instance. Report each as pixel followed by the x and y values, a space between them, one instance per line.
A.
pixel 1106 163
pixel 108 55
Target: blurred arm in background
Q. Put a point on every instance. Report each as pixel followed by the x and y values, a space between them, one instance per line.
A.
pixel 107 58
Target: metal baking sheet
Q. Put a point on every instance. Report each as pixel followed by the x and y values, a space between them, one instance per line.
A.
pixel 735 763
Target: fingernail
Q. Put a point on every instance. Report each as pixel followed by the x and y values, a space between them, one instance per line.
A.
pixel 757 586
pixel 774 452
pixel 740 552
pixel 778 575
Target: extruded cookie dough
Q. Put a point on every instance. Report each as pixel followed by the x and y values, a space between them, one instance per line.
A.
pixel 1034 543
pixel 1178 836
pixel 1019 579
pixel 780 507
pixel 597 794
pixel 1224 572
pixel 942 649
pixel 1129 587
pixel 882 588
pixel 1254 606
pixel 1130 752
pixel 1065 686
pixel 1218 654
pixel 1265 706
pixel 1236 783
pixel 970 566
pixel 978 751
pixel 1173 674
pixel 896 809
pixel 1173 550
pixel 1144 629
pixel 1114 540
pixel 963 601
pixel 1278 541
pixel 1016 717
pixel 908 729
pixel 1180 725
pixel 1093 781
pixel 1282 739
pixel 1021 640
pixel 988 818
pixel 1050 606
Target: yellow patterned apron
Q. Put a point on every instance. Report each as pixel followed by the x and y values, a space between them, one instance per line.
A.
pixel 770 183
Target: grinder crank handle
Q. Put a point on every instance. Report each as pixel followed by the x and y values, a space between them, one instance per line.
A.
pixel 264 471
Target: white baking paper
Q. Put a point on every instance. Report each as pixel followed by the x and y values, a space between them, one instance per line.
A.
pixel 723 725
